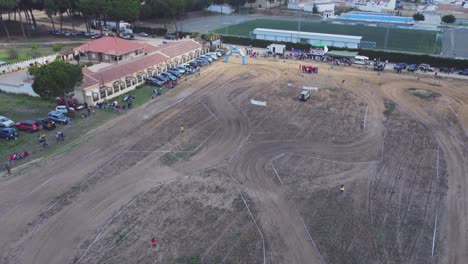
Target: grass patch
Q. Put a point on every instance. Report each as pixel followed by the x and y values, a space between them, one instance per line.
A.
pixel 398 39
pixel 389 107
pixel 424 94
pixel 171 158
pixel 25 54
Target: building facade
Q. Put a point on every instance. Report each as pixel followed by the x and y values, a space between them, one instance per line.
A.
pixel 105 81
pixel 333 40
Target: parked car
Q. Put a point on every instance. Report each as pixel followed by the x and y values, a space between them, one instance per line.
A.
pixel 45 123
pixel 213 56
pixel 9 133
pixel 170 76
pixel 63 109
pixel 6 122
pixel 304 95
pixel 169 36
pixel 426 68
pixel 27 125
pixel 412 68
pixel 195 64
pixel 400 66
pixel 202 62
pixel 220 52
pixel 58 117
pixel 180 69
pixel 176 73
pixel 163 78
pixel 154 81
pixel 464 72
pixel 72 102
pixel 144 34
pixel 209 58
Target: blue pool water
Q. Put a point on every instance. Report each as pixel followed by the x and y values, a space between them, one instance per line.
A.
pixel 377 17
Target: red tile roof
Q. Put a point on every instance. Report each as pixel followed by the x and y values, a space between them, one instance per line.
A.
pixel 114 46
pixel 115 72
pixel 177 48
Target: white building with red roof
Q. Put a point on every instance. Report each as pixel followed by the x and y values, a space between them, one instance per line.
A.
pixel 110 79
pixel 113 50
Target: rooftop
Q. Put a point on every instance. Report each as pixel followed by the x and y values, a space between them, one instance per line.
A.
pixel 308 33
pixel 115 46
pixel 104 73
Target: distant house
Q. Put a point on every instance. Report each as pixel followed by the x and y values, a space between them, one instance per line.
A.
pixel 328 13
pixel 265 4
pixel 113 50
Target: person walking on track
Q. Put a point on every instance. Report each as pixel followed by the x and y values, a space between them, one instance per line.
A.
pixel 182 129
pixel 342 189
pixel 153 242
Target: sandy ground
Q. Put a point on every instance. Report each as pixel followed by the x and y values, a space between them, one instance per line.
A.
pixel 256 184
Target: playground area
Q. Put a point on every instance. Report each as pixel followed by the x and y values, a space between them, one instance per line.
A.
pixel 364 171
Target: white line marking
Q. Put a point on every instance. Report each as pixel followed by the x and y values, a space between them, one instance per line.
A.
pixel 206 139
pixel 119 212
pixel 365 118
pixel 336 161
pixel 299 214
pixel 251 215
pixel 210 111
pixel 182 178
pixel 238 148
pixel 437 207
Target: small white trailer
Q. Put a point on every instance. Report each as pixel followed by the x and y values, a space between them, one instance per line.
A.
pixel 276 48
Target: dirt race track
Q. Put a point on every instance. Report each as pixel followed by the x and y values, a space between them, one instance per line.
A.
pixel 257 184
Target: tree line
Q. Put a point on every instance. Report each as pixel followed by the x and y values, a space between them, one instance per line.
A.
pixel 101 10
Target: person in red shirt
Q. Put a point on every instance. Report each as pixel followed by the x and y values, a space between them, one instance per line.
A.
pixel 12 159
pixel 153 242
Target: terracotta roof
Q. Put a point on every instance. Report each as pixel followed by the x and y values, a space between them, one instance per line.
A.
pixel 176 48
pixel 161 54
pixel 114 46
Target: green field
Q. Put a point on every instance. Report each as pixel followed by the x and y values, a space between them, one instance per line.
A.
pixel 397 39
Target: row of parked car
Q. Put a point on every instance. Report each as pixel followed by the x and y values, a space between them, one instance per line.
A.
pixel 9 129
pixel 426 68
pixel 175 73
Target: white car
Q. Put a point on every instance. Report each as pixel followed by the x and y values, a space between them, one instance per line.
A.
pixel 213 55
pixel 304 95
pixel 144 34
pixel 63 109
pixel 6 122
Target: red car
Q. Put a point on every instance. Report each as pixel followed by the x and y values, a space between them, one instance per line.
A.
pixel 28 125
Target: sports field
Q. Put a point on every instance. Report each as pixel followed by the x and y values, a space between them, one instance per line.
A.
pixel 392 38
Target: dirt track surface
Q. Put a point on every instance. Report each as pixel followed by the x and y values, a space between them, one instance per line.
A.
pixel 252 184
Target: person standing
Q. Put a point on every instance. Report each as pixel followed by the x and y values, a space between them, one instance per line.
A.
pixel 153 242
pixel 88 109
pixel 342 189
pixel 182 129
pixel 12 159
pixel 8 167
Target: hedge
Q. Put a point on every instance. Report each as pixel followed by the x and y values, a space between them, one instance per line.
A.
pixel 150 31
pixel 383 55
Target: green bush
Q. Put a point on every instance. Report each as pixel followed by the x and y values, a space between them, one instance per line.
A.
pixel 13 54
pixel 383 55
pixel 57 47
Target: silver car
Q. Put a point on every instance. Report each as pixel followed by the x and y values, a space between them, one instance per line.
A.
pixel 6 122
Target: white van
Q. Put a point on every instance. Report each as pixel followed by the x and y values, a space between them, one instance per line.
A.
pixel 361 60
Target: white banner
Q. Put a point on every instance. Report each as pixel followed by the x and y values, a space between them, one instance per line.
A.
pixel 257 102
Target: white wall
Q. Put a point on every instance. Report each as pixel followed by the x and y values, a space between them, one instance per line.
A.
pixel 226 9
pixel 320 7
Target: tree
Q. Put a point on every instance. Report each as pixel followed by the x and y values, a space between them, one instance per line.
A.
pixel 449 19
pixel 127 10
pixel 251 2
pixel 51 9
pixel 55 79
pixel 418 17
pixel 6 6
pixel 271 2
pixel 315 9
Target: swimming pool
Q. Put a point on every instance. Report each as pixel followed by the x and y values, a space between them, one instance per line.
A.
pixel 377 17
